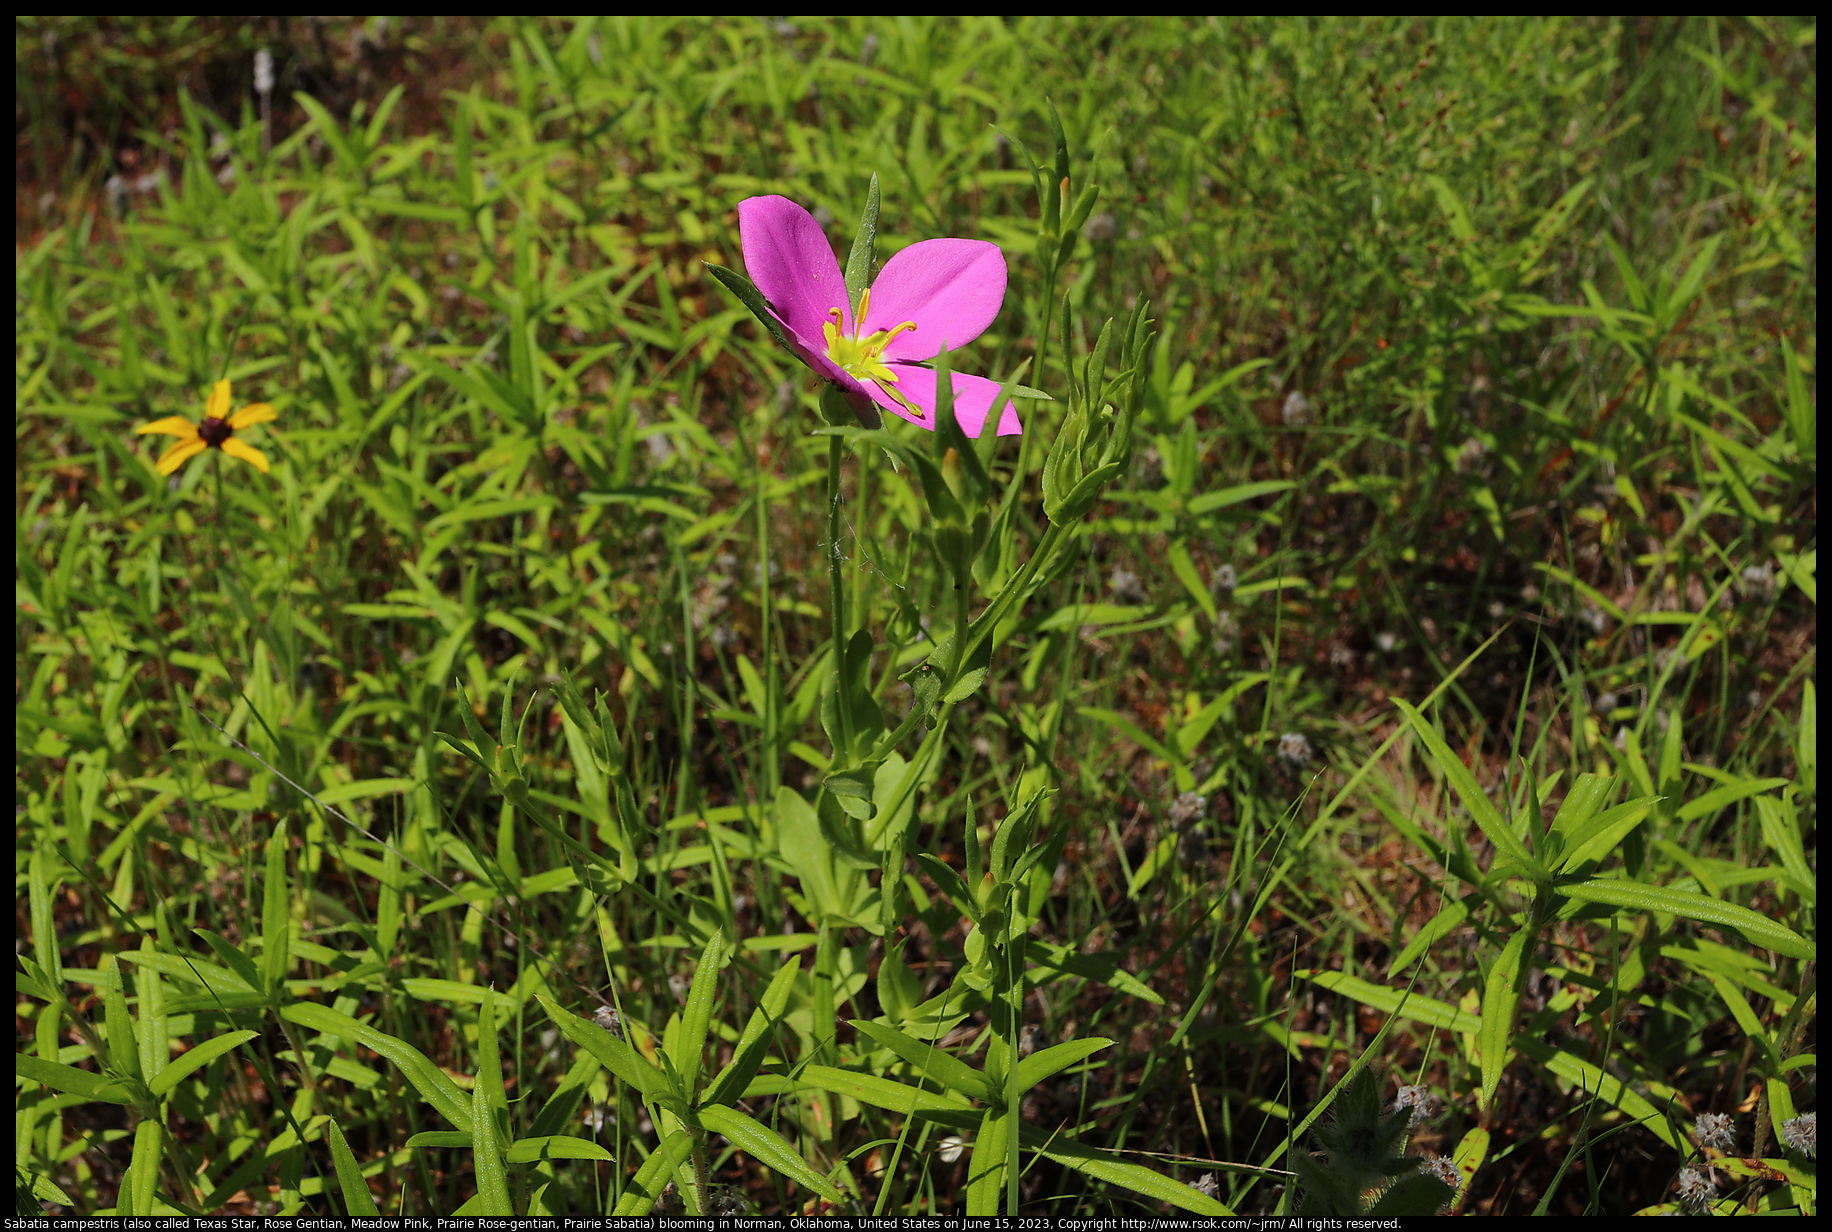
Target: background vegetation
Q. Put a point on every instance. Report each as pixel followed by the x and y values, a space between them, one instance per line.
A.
pixel 1485 373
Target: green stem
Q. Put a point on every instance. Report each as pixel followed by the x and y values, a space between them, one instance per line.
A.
pixel 836 582
pixel 958 655
pixel 1015 590
pixel 1007 539
pixel 826 969
pixel 772 766
pixel 702 1175
pixel 1014 1022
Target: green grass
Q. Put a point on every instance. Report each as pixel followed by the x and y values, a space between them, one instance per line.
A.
pixel 1462 561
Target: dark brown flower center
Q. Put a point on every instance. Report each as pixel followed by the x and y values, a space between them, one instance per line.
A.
pixel 215 431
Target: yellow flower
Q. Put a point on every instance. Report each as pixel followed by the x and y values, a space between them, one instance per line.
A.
pixel 218 428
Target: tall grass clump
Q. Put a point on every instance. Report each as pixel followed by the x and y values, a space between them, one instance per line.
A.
pixel 905 616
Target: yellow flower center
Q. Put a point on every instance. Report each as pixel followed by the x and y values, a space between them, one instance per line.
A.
pixel 861 356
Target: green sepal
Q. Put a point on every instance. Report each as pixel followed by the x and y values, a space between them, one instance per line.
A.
pixel 752 298
pixel 864 244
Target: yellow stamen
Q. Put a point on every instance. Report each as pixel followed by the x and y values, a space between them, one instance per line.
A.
pixel 861 356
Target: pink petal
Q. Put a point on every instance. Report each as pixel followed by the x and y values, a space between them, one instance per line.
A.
pixel 952 289
pixel 787 255
pixel 973 397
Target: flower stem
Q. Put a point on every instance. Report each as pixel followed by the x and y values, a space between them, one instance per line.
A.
pixel 772 767
pixel 836 582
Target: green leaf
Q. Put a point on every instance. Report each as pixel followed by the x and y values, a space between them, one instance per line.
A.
pixel 1499 1000
pixel 1588 794
pixel 555 1146
pixel 1756 928
pixel 1053 1060
pixel 105 1088
pixel 141 1191
pixel 1602 1085
pixel 1781 831
pixel 358 1201
pixel 1602 834
pixel 950 884
pixel 805 847
pixel 752 298
pixel 767 1147
pixel 428 1079
pixel 275 915
pixel 986 1166
pixel 930 1061
pixel 945 1107
pixel 1101 968
pixel 650 1179
pixel 864 245
pixel 899 990
pixel 1480 807
pixel 123 1046
pixel 1103 1166
pixel 630 1066
pixel 1132 731
pixel 1208 502
pixel 1185 569
pixel 698 1015
pixel 754 1044
pixel 182 1066
pixel 1398 1002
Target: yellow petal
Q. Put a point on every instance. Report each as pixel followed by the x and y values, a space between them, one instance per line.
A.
pixel 247 453
pixel 218 406
pixel 253 413
pixel 175 457
pixel 171 425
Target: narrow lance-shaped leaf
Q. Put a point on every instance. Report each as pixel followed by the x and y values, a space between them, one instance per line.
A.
pixel 768 1147
pixel 754 1044
pixel 1758 928
pixel 698 1016
pixel 650 1179
pixel 986 1166
pixel 1480 807
pixel 358 1201
pixel 1498 1004
pixel 487 1156
pixel 617 1056
pixel 929 1060
pixel 275 916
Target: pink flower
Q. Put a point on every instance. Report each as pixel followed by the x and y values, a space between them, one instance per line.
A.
pixel 933 294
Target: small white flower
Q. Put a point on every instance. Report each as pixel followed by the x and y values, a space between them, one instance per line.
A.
pixel 950 1148
pixel 1296 411
pixel 1471 456
pixel 1294 747
pixel 1757 582
pixel 1418 1100
pixel 1716 1131
pixel 1186 808
pixel 1801 1134
pixel 607 1018
pixel 1695 1188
